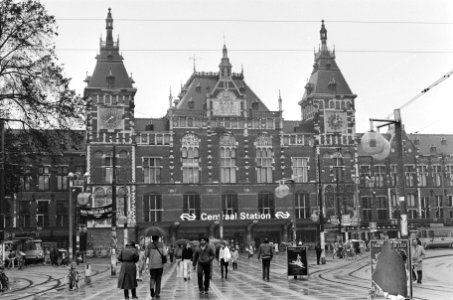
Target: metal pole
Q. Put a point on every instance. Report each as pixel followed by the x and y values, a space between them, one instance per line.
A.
pixel 70 219
pixel 293 183
pixel 125 214
pixel 401 179
pixel 113 241
pixel 220 191
pixel 321 209
pixel 2 170
pixel 337 195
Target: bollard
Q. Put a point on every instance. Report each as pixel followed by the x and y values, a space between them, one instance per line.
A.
pixel 88 274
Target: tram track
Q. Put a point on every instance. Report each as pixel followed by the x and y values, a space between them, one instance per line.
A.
pixel 59 283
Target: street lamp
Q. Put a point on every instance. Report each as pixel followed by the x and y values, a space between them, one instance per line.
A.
pixel 74 182
pixel 220 131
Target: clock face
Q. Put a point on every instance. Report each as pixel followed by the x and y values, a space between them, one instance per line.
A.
pixel 110 118
pixel 335 122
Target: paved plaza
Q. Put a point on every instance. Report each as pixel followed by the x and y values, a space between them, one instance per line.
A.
pixel 337 279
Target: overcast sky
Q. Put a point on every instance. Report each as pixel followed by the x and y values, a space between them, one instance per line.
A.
pixel 388 51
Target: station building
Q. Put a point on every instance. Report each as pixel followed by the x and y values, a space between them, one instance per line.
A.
pixel 211 165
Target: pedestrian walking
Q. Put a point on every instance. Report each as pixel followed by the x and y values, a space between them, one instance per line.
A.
pixel 276 250
pixel 54 256
pixel 46 256
pixel 318 251
pixel 187 254
pixel 418 254
pixel 171 252
pixel 156 257
pixel 178 257
pixel 73 277
pixel 127 278
pixel 250 251
pixel 224 258
pixel 141 264
pixel 202 259
pixel 234 257
pixel 265 252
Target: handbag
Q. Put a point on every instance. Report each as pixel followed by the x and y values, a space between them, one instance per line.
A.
pixel 164 257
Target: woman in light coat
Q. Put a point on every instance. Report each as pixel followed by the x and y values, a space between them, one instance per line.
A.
pixel 418 254
pixel 224 259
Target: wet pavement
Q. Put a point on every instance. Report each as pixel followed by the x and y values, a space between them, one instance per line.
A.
pixel 337 279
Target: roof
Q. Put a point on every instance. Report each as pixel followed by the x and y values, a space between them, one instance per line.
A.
pixel 326 79
pixel 433 143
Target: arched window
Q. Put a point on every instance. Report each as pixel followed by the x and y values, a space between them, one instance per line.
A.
pixel 190 144
pixel 264 158
pixel 227 159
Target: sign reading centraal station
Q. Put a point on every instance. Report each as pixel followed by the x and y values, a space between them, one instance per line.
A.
pixel 235 216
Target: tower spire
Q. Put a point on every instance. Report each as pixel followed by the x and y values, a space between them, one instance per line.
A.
pixel 109 28
pixel 279 101
pixel 225 65
pixel 323 33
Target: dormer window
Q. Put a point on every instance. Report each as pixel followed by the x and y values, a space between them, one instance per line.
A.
pixel 255 105
pixel 190 104
pixel 416 142
pixel 433 149
pixel 443 141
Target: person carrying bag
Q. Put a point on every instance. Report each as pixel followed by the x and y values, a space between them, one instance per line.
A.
pixel 156 257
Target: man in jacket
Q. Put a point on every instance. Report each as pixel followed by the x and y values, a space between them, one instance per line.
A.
pixel 203 256
pixel 266 253
pixel 154 254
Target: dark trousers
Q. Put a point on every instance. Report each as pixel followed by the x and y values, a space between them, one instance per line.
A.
pixel 318 257
pixel 224 266
pixel 266 267
pixel 155 278
pixel 126 294
pixel 204 268
pixel 235 265
pixel 419 276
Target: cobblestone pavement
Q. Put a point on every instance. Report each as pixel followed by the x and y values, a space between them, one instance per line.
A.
pixel 337 279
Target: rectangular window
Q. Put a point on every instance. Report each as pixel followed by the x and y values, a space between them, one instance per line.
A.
pixel 379 176
pixel 449 175
pixel 300 169
pixel 439 206
pixel 365 175
pixel 382 207
pixel 410 200
pixel 42 215
pixel 437 175
pixel 264 165
pixel 425 207
pixel 62 178
pixel 62 214
pixel 366 208
pixel 26 182
pixel 266 204
pixel 152 208
pixel 410 175
pixel 450 200
pixel 43 178
pixel 108 166
pixel 302 206
pixel 152 168
pixel 228 165
pixel 24 214
pixel 412 214
pixel 422 171
pixel 191 205
pixel 230 203
pixel 190 165
pixel 393 175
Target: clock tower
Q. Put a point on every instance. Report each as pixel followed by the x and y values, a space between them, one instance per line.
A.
pixel 110 130
pixel 328 102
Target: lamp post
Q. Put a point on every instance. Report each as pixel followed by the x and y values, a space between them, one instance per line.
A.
pixel 321 208
pixel 337 156
pixel 220 131
pixel 70 176
pixel 74 182
pixel 113 234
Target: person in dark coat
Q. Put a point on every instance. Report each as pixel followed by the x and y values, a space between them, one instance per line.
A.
pixel 318 250
pixel 202 258
pixel 127 279
pixel 266 253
